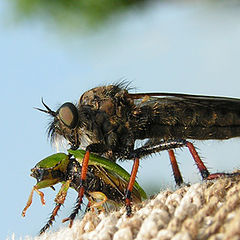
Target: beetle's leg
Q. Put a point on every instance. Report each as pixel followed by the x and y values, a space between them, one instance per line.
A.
pixel 97 196
pixel 40 194
pixel 81 189
pixel 130 186
pixel 60 198
pixel 29 202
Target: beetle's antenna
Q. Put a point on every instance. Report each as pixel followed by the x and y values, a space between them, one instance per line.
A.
pixel 48 111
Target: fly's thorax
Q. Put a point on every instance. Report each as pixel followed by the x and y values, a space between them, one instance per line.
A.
pixel 102 98
pixel 96 126
pixel 99 112
pixel 111 99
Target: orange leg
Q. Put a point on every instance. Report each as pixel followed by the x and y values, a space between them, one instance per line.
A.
pixel 81 190
pixel 130 186
pixel 175 168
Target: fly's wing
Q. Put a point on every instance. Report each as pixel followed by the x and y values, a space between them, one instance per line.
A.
pixel 106 98
pixel 173 109
pixel 173 98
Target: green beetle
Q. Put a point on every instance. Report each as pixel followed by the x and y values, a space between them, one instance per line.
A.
pixel 105 186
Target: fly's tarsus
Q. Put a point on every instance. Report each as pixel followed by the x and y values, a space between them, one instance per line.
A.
pixel 51 219
pixel 76 208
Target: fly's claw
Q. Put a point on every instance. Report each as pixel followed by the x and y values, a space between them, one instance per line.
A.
pixel 129 210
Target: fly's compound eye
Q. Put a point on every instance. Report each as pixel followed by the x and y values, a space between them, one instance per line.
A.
pixel 68 114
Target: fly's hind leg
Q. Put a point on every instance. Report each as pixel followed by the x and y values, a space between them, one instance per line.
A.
pixel 154 147
pixel 202 168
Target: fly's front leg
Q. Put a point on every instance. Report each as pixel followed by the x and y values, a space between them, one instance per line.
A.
pixel 51 219
pixel 81 189
pixel 60 198
pixel 97 148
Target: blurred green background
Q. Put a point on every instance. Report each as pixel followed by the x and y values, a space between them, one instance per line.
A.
pixel 59 49
pixel 86 14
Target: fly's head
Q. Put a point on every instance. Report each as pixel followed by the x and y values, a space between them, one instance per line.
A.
pixel 64 124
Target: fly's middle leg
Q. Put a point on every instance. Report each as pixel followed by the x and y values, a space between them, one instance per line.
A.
pixel 161 145
pixel 176 172
pixel 130 186
pixel 146 150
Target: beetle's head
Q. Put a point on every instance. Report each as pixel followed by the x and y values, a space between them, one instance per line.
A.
pixel 50 170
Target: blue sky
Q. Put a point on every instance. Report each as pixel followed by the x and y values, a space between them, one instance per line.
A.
pixel 173 47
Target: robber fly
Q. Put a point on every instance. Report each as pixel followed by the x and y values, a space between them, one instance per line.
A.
pixel 109 119
pixel 104 186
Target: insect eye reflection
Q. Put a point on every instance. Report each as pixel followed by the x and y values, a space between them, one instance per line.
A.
pixel 68 114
